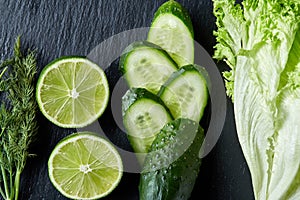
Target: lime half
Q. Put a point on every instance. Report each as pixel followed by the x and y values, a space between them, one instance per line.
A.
pixel 85 166
pixel 72 92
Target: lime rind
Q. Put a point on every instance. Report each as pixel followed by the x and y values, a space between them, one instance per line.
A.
pixel 80 78
pixel 85 143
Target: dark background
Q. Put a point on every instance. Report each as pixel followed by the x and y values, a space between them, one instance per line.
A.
pixel 59 28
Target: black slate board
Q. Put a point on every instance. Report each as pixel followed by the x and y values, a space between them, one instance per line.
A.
pixel 58 28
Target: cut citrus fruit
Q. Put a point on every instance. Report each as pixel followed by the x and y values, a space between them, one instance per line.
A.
pixel 85 166
pixel 72 92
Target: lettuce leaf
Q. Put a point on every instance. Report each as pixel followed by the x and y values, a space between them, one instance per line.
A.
pixel 260 42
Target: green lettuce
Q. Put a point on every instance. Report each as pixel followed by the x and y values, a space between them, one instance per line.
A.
pixel 260 42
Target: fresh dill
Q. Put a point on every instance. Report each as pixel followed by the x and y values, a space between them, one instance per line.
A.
pixel 18 124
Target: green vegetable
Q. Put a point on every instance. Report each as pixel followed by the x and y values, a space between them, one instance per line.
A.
pixel 144 114
pixel 260 41
pixel 146 65
pixel 185 93
pixel 18 124
pixel 172 29
pixel 172 166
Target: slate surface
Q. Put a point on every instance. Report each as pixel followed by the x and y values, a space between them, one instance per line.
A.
pixel 58 28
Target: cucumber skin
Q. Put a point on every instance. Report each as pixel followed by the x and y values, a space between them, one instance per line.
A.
pixel 134 94
pixel 181 71
pixel 178 10
pixel 141 44
pixel 175 181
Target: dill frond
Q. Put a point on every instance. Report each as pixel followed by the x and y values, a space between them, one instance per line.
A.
pixel 18 125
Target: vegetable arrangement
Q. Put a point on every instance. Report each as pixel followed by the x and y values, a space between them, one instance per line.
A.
pixel 18 125
pixel 162 112
pixel 260 42
pixel 165 103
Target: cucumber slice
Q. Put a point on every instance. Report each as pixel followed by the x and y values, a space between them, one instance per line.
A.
pixel 172 29
pixel 144 114
pixel 185 93
pixel 146 65
pixel 173 164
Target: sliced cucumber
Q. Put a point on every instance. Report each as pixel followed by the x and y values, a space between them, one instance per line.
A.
pixel 144 114
pixel 186 93
pixel 146 65
pixel 172 29
pixel 171 168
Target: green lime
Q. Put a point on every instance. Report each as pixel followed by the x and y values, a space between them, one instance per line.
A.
pixel 85 166
pixel 72 92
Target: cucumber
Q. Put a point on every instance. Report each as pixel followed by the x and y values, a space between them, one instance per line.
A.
pixel 144 114
pixel 172 167
pixel 185 93
pixel 172 29
pixel 146 65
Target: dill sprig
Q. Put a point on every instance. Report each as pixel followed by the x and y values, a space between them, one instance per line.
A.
pixel 18 124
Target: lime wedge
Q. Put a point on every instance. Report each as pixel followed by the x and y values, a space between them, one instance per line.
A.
pixel 85 166
pixel 72 92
